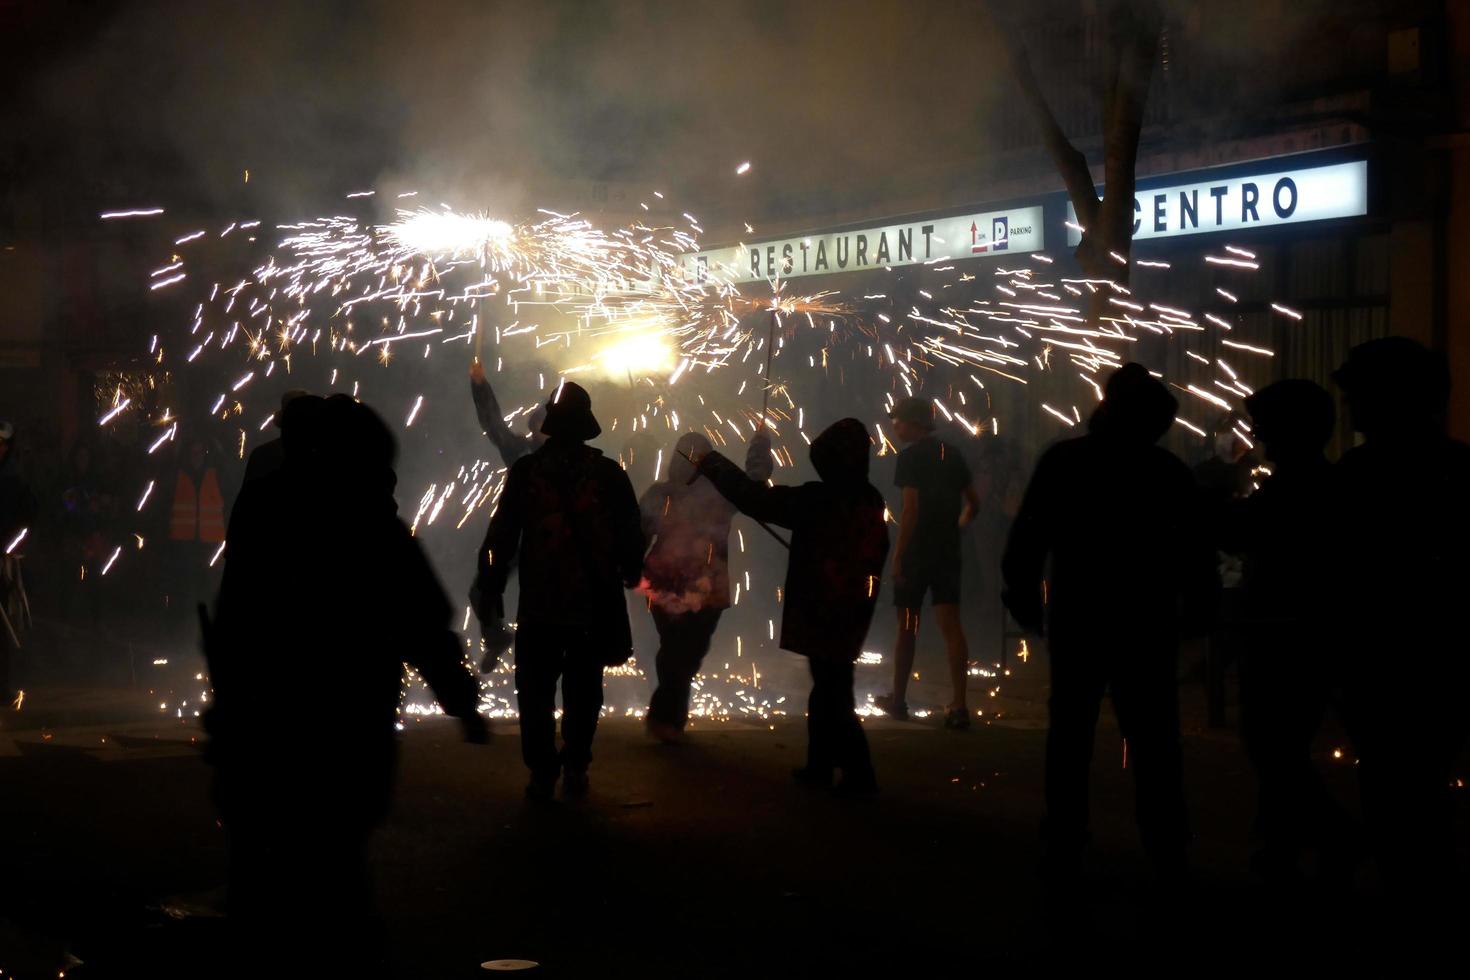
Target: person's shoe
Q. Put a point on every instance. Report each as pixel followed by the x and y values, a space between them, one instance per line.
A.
pixel 574 784
pixel 957 719
pixel 541 788
pixel 897 710
pixel 856 788
pixel 665 732
pixel 807 776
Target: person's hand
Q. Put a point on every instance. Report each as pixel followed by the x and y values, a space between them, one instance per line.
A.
pixel 476 729
pixel 477 373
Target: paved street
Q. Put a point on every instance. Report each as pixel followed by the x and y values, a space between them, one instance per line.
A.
pixel 700 860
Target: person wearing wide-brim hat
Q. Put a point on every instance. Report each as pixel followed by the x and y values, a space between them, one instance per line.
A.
pixel 569 521
pixel 939 499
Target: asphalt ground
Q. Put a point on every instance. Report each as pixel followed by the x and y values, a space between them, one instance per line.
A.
pixel 690 861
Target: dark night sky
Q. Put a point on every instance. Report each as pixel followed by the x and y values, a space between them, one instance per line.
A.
pixel 132 100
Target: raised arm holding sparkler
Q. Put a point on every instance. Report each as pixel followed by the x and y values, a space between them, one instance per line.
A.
pixel 492 421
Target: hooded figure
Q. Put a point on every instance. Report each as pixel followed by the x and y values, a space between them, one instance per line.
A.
pixel 570 522
pixel 1402 580
pixel 1130 569
pixel 838 546
pixel 325 596
pixel 686 573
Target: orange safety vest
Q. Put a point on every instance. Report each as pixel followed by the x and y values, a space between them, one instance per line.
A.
pixel 198 515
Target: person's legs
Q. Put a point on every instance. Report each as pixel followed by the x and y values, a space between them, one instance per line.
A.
pixel 1146 698
pixel 1076 697
pixel 958 653
pixel 1264 740
pixel 538 664
pixel 684 639
pixel 907 601
pixel 581 700
pixel 843 732
pixel 904 643
pixel 821 752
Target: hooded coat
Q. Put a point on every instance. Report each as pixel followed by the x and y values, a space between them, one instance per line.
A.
pixel 568 516
pixel 838 543
pixel 325 596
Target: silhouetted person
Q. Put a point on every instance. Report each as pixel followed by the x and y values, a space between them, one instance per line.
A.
pixel 838 545
pixel 85 526
pixel 487 409
pixel 569 520
pixel 1404 585
pixel 325 597
pixel 1129 568
pixel 269 457
pixel 1284 532
pixel 938 500
pixel 686 575
pixel 17 513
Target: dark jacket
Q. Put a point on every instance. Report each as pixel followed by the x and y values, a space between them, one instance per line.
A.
pixel 324 597
pixel 1284 532
pixel 838 543
pixel 512 447
pixel 569 519
pixel 17 503
pixel 1119 519
pixel 1401 565
pixel 264 459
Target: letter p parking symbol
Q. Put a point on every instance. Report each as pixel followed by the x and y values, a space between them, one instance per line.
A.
pixel 1000 233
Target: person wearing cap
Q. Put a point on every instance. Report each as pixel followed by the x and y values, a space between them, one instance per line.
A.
pixel 487 409
pixel 838 545
pixel 939 499
pixel 1404 532
pixel 568 519
pixel 1109 560
pixel 1283 532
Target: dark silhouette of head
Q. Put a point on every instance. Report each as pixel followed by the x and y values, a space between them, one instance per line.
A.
pixel 356 447
pixel 1136 407
pixel 196 455
pixel 1292 419
pixel 287 397
pixel 691 445
pixel 913 419
pixel 569 415
pixel 300 421
pixel 840 453
pixel 1395 387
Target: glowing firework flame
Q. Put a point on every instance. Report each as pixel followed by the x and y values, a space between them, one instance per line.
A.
pixel 427 232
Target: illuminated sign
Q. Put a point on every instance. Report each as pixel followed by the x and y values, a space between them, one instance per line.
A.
pixel 927 241
pixel 1246 201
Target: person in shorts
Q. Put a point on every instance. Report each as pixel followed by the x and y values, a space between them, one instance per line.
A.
pixel 938 500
